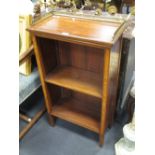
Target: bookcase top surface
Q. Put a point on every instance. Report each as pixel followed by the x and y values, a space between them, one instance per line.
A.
pixel 103 32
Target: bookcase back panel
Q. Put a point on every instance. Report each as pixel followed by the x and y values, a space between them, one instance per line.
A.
pixel 63 93
pixel 82 57
pixel 56 53
pixel 86 98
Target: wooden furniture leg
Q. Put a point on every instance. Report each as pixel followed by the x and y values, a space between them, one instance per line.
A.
pixel 25 118
pixel 51 120
pixel 27 54
pixel 30 124
pixel 104 107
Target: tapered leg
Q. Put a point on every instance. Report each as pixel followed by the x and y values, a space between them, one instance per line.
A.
pixel 51 120
pixel 105 103
pixel 101 140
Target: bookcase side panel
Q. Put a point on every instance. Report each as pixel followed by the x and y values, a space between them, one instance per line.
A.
pixel 48 52
pixel 42 72
pixel 115 56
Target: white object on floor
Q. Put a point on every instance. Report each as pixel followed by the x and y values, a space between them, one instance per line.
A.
pixel 129 131
pixel 126 145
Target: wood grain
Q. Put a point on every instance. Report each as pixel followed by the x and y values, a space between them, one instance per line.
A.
pixel 83 57
pixel 104 108
pixel 76 79
pixel 114 67
pixel 41 68
pixel 79 64
pixel 80 113
pixel 77 30
pixel 31 123
pixel 26 55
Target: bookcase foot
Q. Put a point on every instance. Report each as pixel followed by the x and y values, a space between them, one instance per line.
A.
pixel 109 126
pixel 101 140
pixel 51 120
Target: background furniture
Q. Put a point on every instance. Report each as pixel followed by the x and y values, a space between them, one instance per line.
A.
pixel 27 86
pixel 78 62
pixel 25 42
pixel 127 68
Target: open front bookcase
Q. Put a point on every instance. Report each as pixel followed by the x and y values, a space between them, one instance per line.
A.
pixel 78 62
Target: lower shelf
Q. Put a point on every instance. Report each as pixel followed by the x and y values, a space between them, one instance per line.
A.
pixel 82 114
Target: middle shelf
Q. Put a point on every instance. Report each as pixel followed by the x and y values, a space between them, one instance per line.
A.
pixel 76 79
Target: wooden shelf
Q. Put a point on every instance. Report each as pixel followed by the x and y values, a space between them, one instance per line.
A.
pixel 76 79
pixel 77 112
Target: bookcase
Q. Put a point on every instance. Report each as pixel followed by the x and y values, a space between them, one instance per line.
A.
pixel 78 62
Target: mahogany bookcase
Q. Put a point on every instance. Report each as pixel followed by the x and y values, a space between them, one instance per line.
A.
pixel 78 62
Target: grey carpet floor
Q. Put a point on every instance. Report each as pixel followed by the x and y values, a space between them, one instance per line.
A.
pixel 66 139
